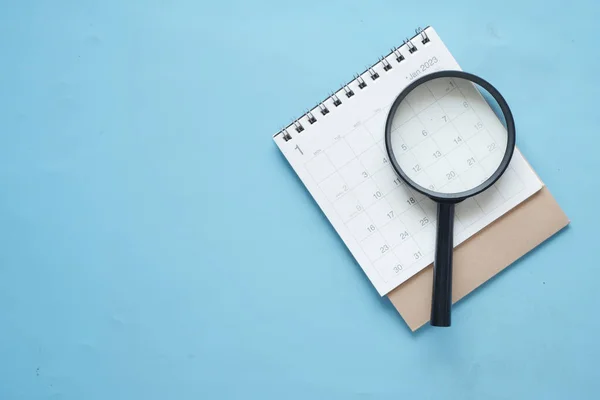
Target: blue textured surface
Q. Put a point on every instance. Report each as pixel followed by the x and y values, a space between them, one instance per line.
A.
pixel 156 245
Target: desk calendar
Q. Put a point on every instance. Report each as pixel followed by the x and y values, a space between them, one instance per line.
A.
pixel 337 150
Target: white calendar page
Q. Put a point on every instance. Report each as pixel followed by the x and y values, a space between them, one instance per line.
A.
pixel 341 159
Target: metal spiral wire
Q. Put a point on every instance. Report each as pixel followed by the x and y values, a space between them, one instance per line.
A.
pixel 322 109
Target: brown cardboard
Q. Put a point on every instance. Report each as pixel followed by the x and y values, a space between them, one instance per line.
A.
pixel 484 255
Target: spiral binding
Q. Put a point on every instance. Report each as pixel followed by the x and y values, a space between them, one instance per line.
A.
pixel 321 108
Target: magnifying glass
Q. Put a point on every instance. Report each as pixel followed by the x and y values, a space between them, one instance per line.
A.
pixel 449 135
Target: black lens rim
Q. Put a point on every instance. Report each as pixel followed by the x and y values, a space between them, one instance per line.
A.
pixel 510 145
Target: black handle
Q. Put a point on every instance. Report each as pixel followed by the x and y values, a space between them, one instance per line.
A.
pixel 441 302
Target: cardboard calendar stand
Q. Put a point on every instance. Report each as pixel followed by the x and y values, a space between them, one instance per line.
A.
pixel 484 255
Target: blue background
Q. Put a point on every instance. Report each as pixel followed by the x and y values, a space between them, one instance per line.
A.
pixel 154 244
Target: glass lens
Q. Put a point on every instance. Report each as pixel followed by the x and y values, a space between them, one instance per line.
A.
pixel 448 135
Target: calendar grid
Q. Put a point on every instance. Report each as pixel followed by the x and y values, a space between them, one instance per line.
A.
pixel 364 209
pixel 378 228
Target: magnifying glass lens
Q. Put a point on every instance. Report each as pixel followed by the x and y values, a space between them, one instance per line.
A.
pixel 448 136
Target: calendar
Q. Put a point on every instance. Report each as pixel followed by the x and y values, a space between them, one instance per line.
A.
pixel 337 149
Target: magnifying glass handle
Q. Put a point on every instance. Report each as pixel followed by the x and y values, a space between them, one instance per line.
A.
pixel 441 302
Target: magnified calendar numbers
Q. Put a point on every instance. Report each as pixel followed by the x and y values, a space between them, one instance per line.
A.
pixel 442 142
